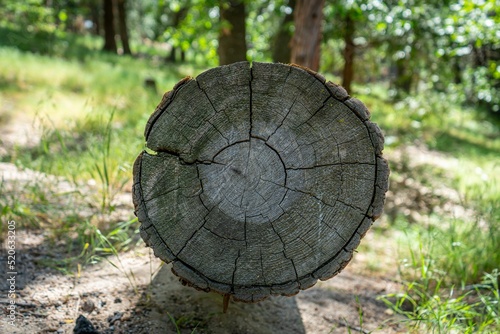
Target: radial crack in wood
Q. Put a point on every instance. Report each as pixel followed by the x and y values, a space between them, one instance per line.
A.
pixel 258 179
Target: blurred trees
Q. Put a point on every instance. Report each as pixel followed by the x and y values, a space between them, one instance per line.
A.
pixel 109 26
pixel 306 39
pixel 177 17
pixel 281 41
pixel 232 34
pixel 414 45
pixel 115 21
pixel 122 25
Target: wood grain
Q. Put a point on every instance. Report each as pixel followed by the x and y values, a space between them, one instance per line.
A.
pixel 260 179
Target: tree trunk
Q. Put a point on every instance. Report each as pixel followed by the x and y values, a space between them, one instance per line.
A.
pixel 122 23
pixel 282 50
pixel 404 76
pixel 109 26
pixel 457 70
pixel 171 56
pixel 96 17
pixel 349 50
pixel 240 187
pixel 178 17
pixel 308 33
pixel 232 43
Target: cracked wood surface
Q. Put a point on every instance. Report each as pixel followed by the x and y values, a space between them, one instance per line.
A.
pixel 258 179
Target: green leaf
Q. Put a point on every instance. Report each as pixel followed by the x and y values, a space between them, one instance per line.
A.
pixel 63 16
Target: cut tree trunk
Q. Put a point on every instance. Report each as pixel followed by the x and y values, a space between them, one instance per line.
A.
pixel 258 180
pixel 308 33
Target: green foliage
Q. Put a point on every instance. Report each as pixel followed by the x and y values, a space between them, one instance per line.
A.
pixel 421 46
pixel 263 22
pixel 417 45
pixel 90 115
pixel 197 32
pixel 54 43
pixel 430 302
pixel 445 260
pixel 32 14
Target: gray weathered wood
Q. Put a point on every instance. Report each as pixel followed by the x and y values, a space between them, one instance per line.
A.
pixel 258 179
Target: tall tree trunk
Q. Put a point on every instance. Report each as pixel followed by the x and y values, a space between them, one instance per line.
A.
pixel 308 33
pixel 122 24
pixel 178 17
pixel 232 43
pixel 457 70
pixel 109 27
pixel 349 50
pixel 96 17
pixel 171 56
pixel 282 50
pixel 403 80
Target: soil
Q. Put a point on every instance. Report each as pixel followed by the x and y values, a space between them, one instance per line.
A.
pixel 137 293
pixel 143 296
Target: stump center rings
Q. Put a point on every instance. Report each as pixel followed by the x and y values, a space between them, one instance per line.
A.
pixel 246 181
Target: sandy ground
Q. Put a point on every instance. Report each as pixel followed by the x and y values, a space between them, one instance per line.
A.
pixel 136 293
pixel 143 296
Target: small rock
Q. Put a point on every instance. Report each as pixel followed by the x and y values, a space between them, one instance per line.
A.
pixel 117 300
pixel 117 316
pixel 88 306
pixel 126 317
pixel 84 326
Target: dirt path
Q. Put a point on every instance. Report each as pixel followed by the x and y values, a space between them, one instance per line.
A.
pixel 147 298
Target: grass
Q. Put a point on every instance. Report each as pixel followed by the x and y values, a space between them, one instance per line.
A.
pixel 91 114
pixel 449 264
pixel 90 110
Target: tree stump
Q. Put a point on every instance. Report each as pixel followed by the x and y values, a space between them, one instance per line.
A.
pixel 258 179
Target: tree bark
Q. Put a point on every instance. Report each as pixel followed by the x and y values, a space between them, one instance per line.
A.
pixel 109 26
pixel 282 50
pixel 96 17
pixel 232 43
pixel 308 33
pixel 122 24
pixel 349 50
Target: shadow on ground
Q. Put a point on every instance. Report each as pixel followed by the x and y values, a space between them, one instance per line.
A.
pixel 334 306
pixel 168 305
